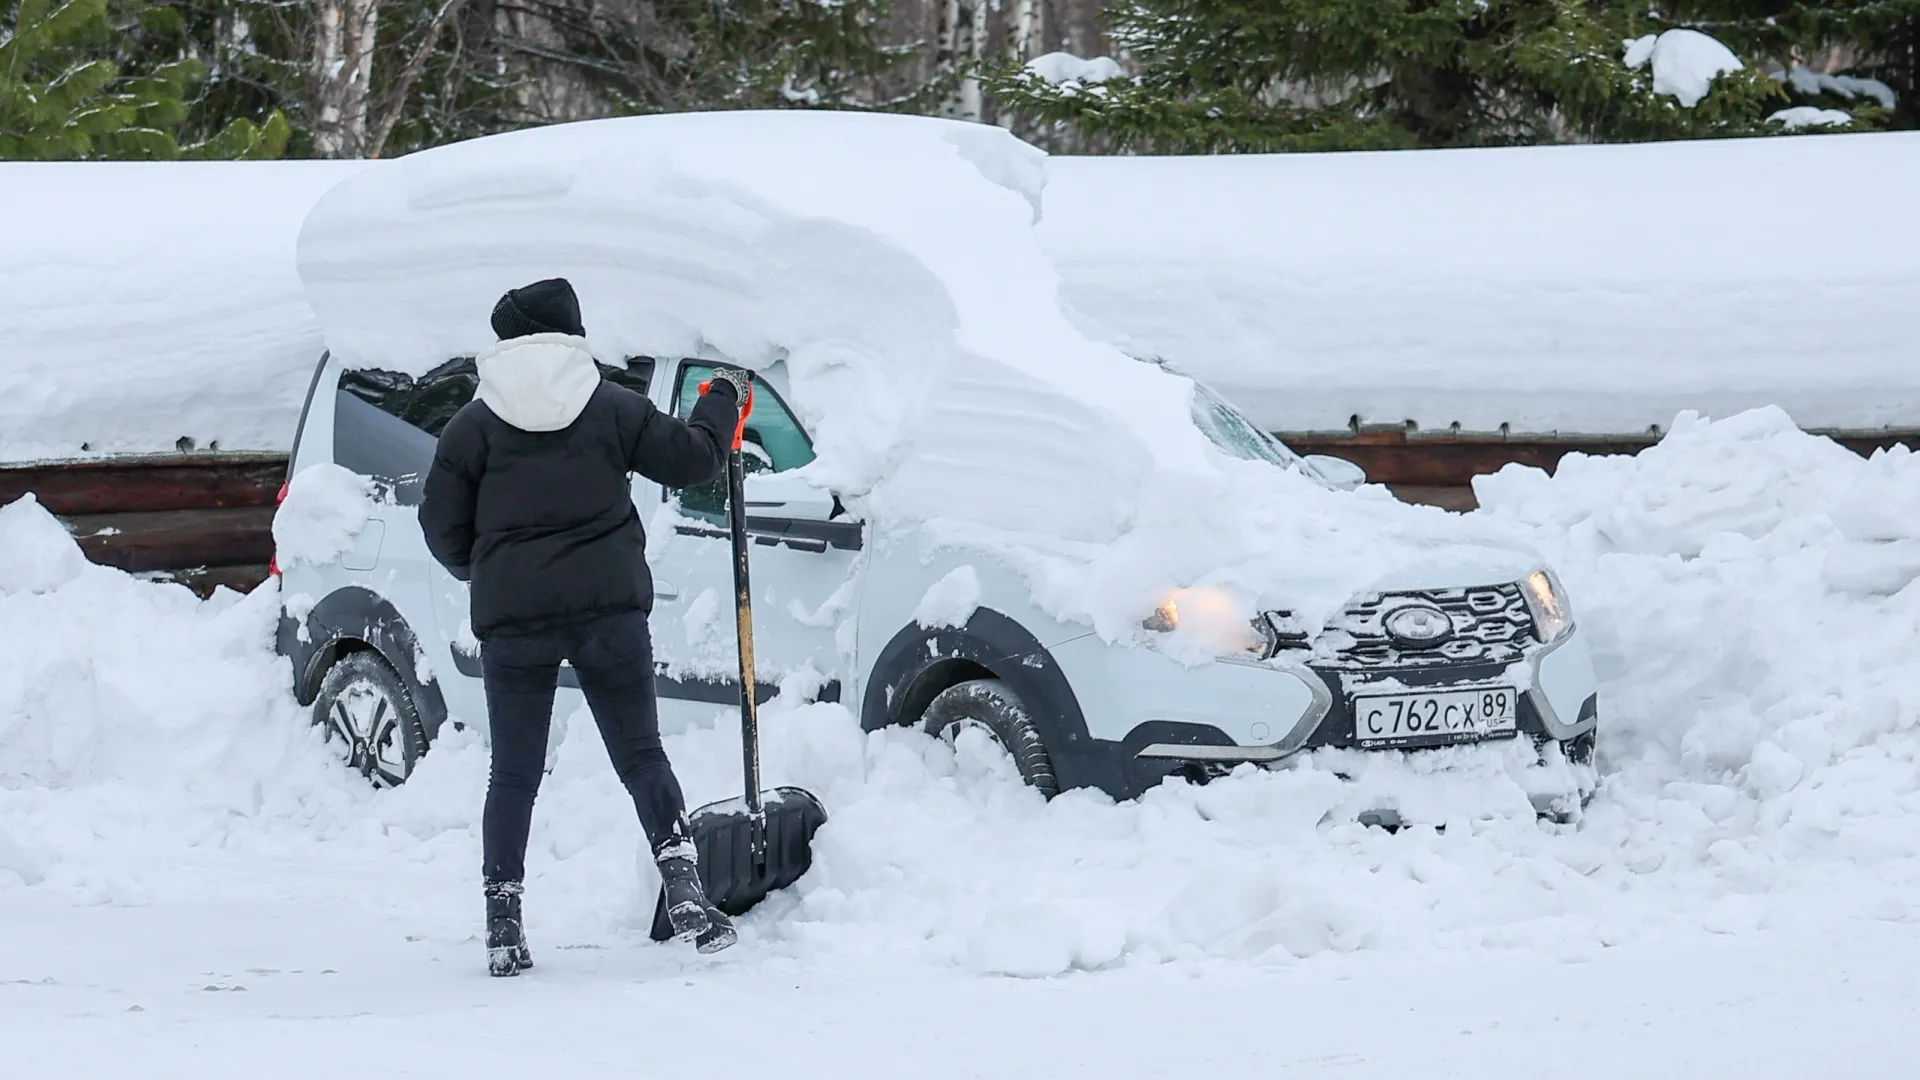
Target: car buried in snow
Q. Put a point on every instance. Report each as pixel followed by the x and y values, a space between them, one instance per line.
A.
pixel 906 618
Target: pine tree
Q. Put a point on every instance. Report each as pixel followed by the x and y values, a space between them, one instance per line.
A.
pixel 362 78
pixel 62 96
pixel 1267 75
pixel 1849 55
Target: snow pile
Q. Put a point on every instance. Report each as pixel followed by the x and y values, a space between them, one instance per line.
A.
pixel 150 303
pixel 326 506
pixel 1572 289
pixel 41 555
pixel 1685 63
pixel 891 264
pixel 136 720
pixel 1879 517
pixel 1066 69
pixel 1755 714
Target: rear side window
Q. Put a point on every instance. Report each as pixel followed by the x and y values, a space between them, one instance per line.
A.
pixel 387 423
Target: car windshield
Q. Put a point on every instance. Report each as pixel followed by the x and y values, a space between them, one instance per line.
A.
pixel 1233 433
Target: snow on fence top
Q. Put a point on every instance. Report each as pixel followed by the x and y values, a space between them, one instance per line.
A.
pixel 141 304
pixel 1573 289
pixel 1597 289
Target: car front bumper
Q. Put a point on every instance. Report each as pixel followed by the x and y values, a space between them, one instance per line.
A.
pixel 1235 711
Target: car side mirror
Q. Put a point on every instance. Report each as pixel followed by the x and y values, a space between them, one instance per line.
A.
pixel 787 495
pixel 1339 472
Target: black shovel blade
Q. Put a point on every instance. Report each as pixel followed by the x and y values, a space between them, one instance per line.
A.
pixel 735 879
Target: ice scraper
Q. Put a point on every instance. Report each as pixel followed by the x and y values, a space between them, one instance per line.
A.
pixel 756 845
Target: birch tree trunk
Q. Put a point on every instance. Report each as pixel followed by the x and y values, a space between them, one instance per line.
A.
pixel 1026 36
pixel 949 34
pixel 343 43
pixel 972 106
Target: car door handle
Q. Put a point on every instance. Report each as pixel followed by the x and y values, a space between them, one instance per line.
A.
pixel 664 591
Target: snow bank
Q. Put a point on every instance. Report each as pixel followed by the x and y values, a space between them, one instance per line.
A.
pixel 1757 747
pixel 151 302
pixel 891 263
pixel 1578 289
pixel 41 554
pixel 137 721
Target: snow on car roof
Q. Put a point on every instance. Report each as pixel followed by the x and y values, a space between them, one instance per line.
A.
pixel 1598 289
pixel 892 264
pixel 146 302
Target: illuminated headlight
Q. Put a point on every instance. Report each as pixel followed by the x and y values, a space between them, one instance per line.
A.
pixel 1217 618
pixel 1551 619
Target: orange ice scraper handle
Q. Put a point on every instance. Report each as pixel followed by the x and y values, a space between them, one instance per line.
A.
pixel 746 410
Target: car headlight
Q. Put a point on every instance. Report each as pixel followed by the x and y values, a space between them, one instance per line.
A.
pixel 1551 619
pixel 1217 618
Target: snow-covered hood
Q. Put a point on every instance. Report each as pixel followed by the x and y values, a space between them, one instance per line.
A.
pixel 1452 565
pixel 539 382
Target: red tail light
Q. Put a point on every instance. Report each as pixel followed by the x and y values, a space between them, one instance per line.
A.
pixel 273 564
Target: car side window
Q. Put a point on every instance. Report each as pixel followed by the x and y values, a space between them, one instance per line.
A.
pixel 773 442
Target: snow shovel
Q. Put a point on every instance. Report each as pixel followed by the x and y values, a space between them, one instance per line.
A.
pixel 756 845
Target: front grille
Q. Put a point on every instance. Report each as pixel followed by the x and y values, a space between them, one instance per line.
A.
pixel 1491 625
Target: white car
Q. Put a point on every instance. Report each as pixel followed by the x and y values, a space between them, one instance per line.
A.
pixel 905 627
pixel 382 651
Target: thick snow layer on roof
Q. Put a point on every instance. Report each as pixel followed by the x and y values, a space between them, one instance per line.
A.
pixel 1589 288
pixel 892 263
pixel 146 303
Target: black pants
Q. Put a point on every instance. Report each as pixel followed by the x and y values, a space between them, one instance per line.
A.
pixel 613 656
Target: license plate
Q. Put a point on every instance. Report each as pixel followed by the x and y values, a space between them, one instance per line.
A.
pixel 1441 718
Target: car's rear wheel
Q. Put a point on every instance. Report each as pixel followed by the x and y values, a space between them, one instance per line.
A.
pixel 990 706
pixel 369 715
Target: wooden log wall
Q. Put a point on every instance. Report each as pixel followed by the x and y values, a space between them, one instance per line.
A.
pixel 207 519
pixel 200 519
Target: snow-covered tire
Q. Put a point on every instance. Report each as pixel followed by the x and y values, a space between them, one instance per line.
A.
pixel 368 714
pixel 990 705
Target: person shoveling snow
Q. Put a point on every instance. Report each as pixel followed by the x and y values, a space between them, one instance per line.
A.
pixel 528 500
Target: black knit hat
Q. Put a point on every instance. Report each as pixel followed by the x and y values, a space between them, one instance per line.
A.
pixel 544 307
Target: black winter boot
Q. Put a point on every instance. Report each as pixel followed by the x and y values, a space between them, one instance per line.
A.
pixel 506 935
pixel 688 910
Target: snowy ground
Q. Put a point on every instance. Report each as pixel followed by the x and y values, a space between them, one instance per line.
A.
pixel 190 886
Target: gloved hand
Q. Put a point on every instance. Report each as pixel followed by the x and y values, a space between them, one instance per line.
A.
pixel 734 382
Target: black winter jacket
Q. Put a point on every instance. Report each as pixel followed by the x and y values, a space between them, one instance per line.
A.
pixel 529 498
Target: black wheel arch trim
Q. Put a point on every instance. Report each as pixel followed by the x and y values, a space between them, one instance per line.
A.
pixel 361 616
pixel 920 661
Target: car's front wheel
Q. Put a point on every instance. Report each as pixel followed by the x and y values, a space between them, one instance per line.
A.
pixel 992 707
pixel 368 714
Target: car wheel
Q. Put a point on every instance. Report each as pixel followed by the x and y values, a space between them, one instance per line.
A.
pixel 989 705
pixel 368 713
